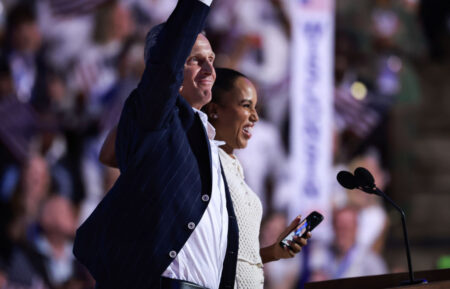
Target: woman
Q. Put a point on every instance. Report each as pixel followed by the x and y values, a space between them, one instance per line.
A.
pixel 233 115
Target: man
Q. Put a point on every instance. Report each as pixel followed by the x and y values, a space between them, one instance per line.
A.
pixel 53 243
pixel 169 216
pixel 24 52
pixel 347 258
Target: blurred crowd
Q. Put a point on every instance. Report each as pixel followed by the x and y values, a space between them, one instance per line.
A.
pixel 66 68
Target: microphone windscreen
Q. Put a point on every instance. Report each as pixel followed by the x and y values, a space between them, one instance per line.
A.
pixel 347 180
pixel 364 177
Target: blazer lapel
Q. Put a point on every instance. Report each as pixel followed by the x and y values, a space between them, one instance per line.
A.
pixel 198 139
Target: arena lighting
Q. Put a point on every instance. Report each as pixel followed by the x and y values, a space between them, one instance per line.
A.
pixel 358 90
pixel 394 63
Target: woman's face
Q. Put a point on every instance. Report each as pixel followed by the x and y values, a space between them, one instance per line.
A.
pixel 235 116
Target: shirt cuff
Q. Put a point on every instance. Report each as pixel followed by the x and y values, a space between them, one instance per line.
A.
pixel 207 2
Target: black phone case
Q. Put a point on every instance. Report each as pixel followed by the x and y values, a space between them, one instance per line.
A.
pixel 313 219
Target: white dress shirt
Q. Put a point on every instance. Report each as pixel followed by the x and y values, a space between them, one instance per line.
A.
pixel 201 259
pixel 207 2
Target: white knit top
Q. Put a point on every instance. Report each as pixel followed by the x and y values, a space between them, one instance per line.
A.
pixel 248 210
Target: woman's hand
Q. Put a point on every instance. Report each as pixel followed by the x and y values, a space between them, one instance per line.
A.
pixel 276 252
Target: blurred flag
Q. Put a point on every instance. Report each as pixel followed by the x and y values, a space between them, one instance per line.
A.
pixel 74 7
pixel 353 112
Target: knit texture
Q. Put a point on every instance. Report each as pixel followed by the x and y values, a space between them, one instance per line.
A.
pixel 248 210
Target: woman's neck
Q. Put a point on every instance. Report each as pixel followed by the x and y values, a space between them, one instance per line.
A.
pixel 228 149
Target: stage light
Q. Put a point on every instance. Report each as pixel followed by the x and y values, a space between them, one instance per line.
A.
pixel 358 90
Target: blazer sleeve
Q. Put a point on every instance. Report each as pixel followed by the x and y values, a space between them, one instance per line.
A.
pixel 158 88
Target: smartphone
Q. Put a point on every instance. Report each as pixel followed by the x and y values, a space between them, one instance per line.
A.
pixel 307 225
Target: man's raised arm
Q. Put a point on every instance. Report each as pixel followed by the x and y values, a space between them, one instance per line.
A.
pixel 163 75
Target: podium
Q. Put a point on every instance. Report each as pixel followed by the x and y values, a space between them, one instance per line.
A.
pixel 437 279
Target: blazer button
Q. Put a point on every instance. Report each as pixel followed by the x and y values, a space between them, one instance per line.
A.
pixel 205 198
pixel 172 254
pixel 191 225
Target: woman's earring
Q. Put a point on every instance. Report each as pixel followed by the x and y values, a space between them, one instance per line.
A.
pixel 214 116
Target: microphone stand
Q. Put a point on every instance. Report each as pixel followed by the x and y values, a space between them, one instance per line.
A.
pixel 376 191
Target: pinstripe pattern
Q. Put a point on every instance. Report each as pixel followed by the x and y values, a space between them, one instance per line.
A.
pixel 164 157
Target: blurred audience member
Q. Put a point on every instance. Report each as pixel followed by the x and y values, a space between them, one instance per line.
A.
pixel 16 133
pixel 131 65
pixel 32 191
pixel 57 224
pixel 67 29
pixel 19 262
pixel 96 71
pixel 347 258
pixel 45 260
pixel 253 37
pixel 372 217
pixel 24 50
pixel 95 78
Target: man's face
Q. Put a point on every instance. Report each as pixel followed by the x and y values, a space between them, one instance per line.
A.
pixel 199 74
pixel 27 37
pixel 345 224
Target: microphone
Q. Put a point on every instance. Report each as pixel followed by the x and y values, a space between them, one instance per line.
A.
pixel 364 181
pixel 364 176
pixel 347 180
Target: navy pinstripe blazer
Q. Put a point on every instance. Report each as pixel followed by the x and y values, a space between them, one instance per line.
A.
pixel 164 158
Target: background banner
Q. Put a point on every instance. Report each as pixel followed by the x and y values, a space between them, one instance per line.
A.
pixel 311 109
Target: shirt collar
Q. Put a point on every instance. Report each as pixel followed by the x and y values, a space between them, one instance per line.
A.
pixel 210 130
